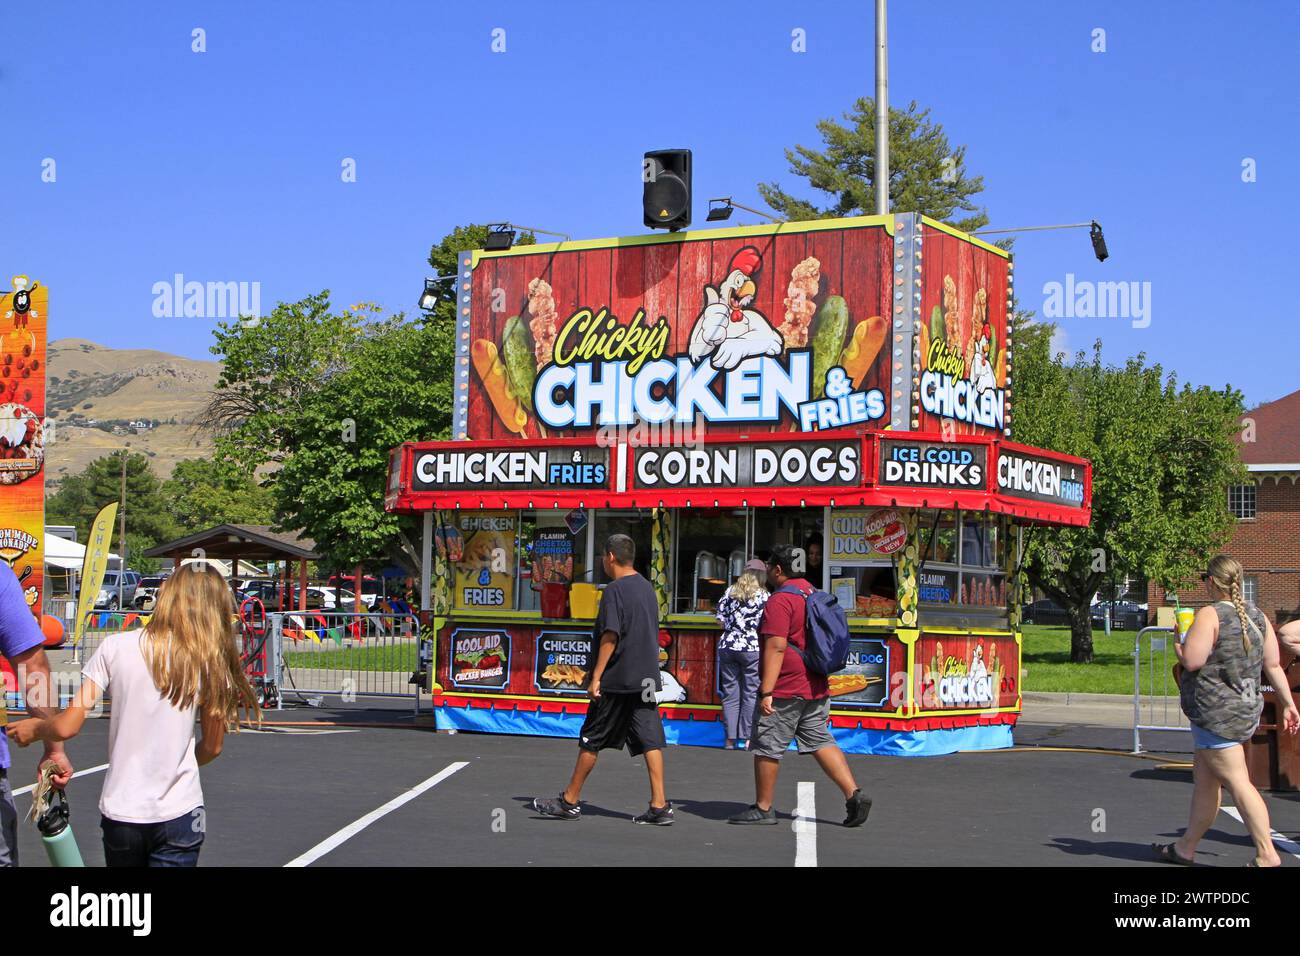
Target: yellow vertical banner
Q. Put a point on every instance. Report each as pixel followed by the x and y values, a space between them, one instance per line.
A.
pixel 95 564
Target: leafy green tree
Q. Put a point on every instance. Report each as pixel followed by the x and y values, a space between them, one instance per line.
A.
pixel 334 482
pixel 271 367
pixel 81 496
pixel 1161 457
pixel 203 492
pixel 926 173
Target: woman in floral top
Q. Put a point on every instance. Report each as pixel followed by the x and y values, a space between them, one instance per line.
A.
pixel 739 612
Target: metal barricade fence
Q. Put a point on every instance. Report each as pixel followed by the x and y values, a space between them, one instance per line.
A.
pixel 312 653
pixel 1155 694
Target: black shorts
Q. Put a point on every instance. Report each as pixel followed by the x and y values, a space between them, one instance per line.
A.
pixel 617 719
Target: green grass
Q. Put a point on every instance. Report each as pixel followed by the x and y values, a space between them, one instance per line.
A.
pixel 391 658
pixel 1046 666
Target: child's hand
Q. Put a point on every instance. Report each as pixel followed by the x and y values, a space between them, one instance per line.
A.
pixel 23 732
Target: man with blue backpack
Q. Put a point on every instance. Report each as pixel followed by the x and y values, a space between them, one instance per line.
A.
pixel 805 637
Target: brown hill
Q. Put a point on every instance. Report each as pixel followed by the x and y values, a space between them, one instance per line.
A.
pixel 95 393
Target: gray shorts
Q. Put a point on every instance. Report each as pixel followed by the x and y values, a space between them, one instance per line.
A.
pixel 793 718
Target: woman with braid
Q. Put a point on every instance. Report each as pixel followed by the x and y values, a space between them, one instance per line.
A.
pixel 1229 646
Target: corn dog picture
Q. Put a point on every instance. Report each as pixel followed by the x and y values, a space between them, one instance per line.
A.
pixel 492 371
pixel 864 345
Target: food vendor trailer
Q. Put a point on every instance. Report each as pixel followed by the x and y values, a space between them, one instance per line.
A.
pixel 841 386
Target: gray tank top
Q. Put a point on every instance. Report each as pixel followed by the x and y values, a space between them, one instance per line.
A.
pixel 1224 696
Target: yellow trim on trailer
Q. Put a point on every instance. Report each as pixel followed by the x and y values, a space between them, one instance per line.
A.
pixel 942 227
pixel 660 238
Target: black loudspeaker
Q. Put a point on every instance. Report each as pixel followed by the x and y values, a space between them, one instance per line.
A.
pixel 666 189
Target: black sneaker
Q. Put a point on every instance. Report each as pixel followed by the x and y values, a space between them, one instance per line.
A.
pixel 656 816
pixel 857 807
pixel 558 807
pixel 754 816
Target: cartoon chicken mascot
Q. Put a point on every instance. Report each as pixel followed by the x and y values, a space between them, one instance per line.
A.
pixel 728 330
pixel 981 370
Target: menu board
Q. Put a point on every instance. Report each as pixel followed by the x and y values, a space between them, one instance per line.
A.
pixel 564 661
pixel 481 545
pixel 936 586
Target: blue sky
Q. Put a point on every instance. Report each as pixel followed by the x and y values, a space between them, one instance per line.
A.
pixel 225 165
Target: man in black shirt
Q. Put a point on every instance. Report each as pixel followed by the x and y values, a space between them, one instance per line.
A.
pixel 623 709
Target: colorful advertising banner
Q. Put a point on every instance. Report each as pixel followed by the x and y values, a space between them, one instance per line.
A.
pixel 564 661
pixel 495 469
pixel 775 328
pixel 963 335
pixel 1041 479
pixel 480 658
pixel 865 680
pixel 865 534
pixel 967 672
pixel 960 467
pixel 94 565
pixel 23 322
pixel 485 568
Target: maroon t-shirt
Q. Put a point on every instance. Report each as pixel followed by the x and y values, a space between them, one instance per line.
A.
pixel 783 616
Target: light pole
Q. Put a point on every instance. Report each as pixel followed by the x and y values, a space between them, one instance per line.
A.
pixel 882 111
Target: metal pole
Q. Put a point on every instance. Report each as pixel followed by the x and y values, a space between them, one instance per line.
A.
pixel 121 524
pixel 882 112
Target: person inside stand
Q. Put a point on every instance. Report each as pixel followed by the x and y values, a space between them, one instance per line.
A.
pixel 794 703
pixel 813 553
pixel 1228 648
pixel 739 613
pixel 23 644
pixel 624 681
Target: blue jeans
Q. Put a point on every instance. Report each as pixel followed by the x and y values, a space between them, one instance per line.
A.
pixel 171 843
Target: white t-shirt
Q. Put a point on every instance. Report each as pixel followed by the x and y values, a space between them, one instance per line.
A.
pixel 153 775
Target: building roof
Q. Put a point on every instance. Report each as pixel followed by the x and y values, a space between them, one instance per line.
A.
pixel 252 542
pixel 1276 434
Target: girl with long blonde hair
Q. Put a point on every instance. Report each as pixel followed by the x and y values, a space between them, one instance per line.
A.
pixel 181 666
pixel 739 612
pixel 1225 653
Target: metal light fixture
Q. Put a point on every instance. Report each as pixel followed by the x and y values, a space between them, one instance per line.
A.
pixel 723 211
pixel 1098 242
pixel 500 236
pixel 1094 233
pixel 429 297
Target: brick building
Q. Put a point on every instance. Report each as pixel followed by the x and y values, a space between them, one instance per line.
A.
pixel 1267 538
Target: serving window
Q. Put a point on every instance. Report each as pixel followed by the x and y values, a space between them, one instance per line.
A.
pixel 637 524
pixel 860 543
pixel 964 561
pixel 712 548
pixel 552 549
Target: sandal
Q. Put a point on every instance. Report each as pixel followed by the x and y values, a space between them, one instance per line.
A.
pixel 1167 854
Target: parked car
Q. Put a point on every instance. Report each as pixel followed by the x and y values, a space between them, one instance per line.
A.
pixel 146 593
pixel 109 595
pixel 319 597
pixel 1044 611
pixel 1124 615
pixel 369 586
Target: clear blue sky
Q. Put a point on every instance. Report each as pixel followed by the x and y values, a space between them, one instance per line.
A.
pixel 225 165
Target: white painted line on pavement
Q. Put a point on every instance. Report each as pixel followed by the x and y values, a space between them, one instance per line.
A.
pixel 805 825
pixel 352 829
pixel 1284 844
pixel 75 775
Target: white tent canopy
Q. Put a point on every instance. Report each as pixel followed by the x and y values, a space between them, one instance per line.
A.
pixel 62 553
